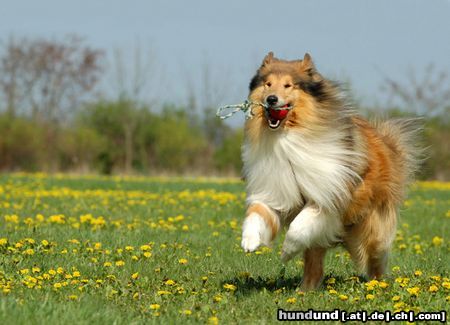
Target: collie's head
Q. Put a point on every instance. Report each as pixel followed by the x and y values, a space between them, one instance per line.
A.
pixel 295 95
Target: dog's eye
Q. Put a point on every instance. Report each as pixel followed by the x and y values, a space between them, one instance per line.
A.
pixel 287 86
pixel 268 84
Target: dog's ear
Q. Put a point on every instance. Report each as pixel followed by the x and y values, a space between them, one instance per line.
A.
pixel 267 59
pixel 307 63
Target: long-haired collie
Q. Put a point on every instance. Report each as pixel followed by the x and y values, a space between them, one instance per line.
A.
pixel 311 164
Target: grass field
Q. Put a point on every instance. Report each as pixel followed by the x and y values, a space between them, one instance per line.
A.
pixel 100 250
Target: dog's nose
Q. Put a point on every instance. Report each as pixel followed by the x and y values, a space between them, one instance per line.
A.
pixel 272 99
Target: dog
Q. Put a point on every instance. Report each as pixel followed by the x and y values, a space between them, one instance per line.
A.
pixel 312 165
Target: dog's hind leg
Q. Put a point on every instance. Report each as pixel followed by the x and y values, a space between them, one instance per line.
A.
pixel 260 227
pixel 370 240
pixel 313 268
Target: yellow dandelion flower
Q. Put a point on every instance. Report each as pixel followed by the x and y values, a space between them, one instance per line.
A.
pixel 331 281
pixel 370 297
pixel 57 285
pixel 147 254
pixel 291 300
pixel 145 247
pixel 134 276
pixel 383 284
pixel 187 312
pixel 396 268
pixel 229 287
pixel 418 273
pixel 399 305
pixel 170 282
pixel 129 248
pixel 107 264
pixel 343 297
pixel 120 263
pixel 28 251
pixel 3 241
pixel 414 291
pixel 446 284
pixel 332 292
pixel 182 261
pixel 217 298
pixel 213 320
pixel 437 241
pixel 73 297
pixel 433 288
pixel 395 298
pixel 163 292
pixel 155 306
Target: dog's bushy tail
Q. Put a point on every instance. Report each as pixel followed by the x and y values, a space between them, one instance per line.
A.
pixel 404 134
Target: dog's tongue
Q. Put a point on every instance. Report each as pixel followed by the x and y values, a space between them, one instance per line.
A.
pixel 278 114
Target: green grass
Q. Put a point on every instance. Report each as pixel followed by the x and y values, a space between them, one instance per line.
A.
pixel 187 231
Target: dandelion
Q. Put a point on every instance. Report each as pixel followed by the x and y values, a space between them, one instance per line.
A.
pixel 383 284
pixel 213 320
pixel 217 298
pixel 163 292
pixel 73 297
pixel 147 254
pixel 134 276
pixel 370 296
pixel 395 298
pixel 437 241
pixel 396 269
pixel 343 297
pixel 332 292
pixel 182 261
pixel 145 247
pixel 28 251
pixel 107 264
pixel 3 241
pixel 229 287
pixel 120 263
pixel 155 306
pixel 446 284
pixel 57 285
pixel 187 312
pixel 414 291
pixel 292 300
pixel 433 288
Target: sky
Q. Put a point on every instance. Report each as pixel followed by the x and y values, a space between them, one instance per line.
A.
pixel 212 48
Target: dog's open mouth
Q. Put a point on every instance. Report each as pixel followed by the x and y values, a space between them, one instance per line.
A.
pixel 275 115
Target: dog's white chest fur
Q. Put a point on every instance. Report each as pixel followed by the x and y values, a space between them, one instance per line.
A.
pixel 285 168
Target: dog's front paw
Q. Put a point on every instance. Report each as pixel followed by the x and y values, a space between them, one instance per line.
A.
pixel 251 241
pixel 291 247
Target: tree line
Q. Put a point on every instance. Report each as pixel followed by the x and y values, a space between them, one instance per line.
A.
pixel 54 117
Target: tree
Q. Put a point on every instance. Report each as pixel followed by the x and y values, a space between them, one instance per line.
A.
pixel 426 96
pixel 47 79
